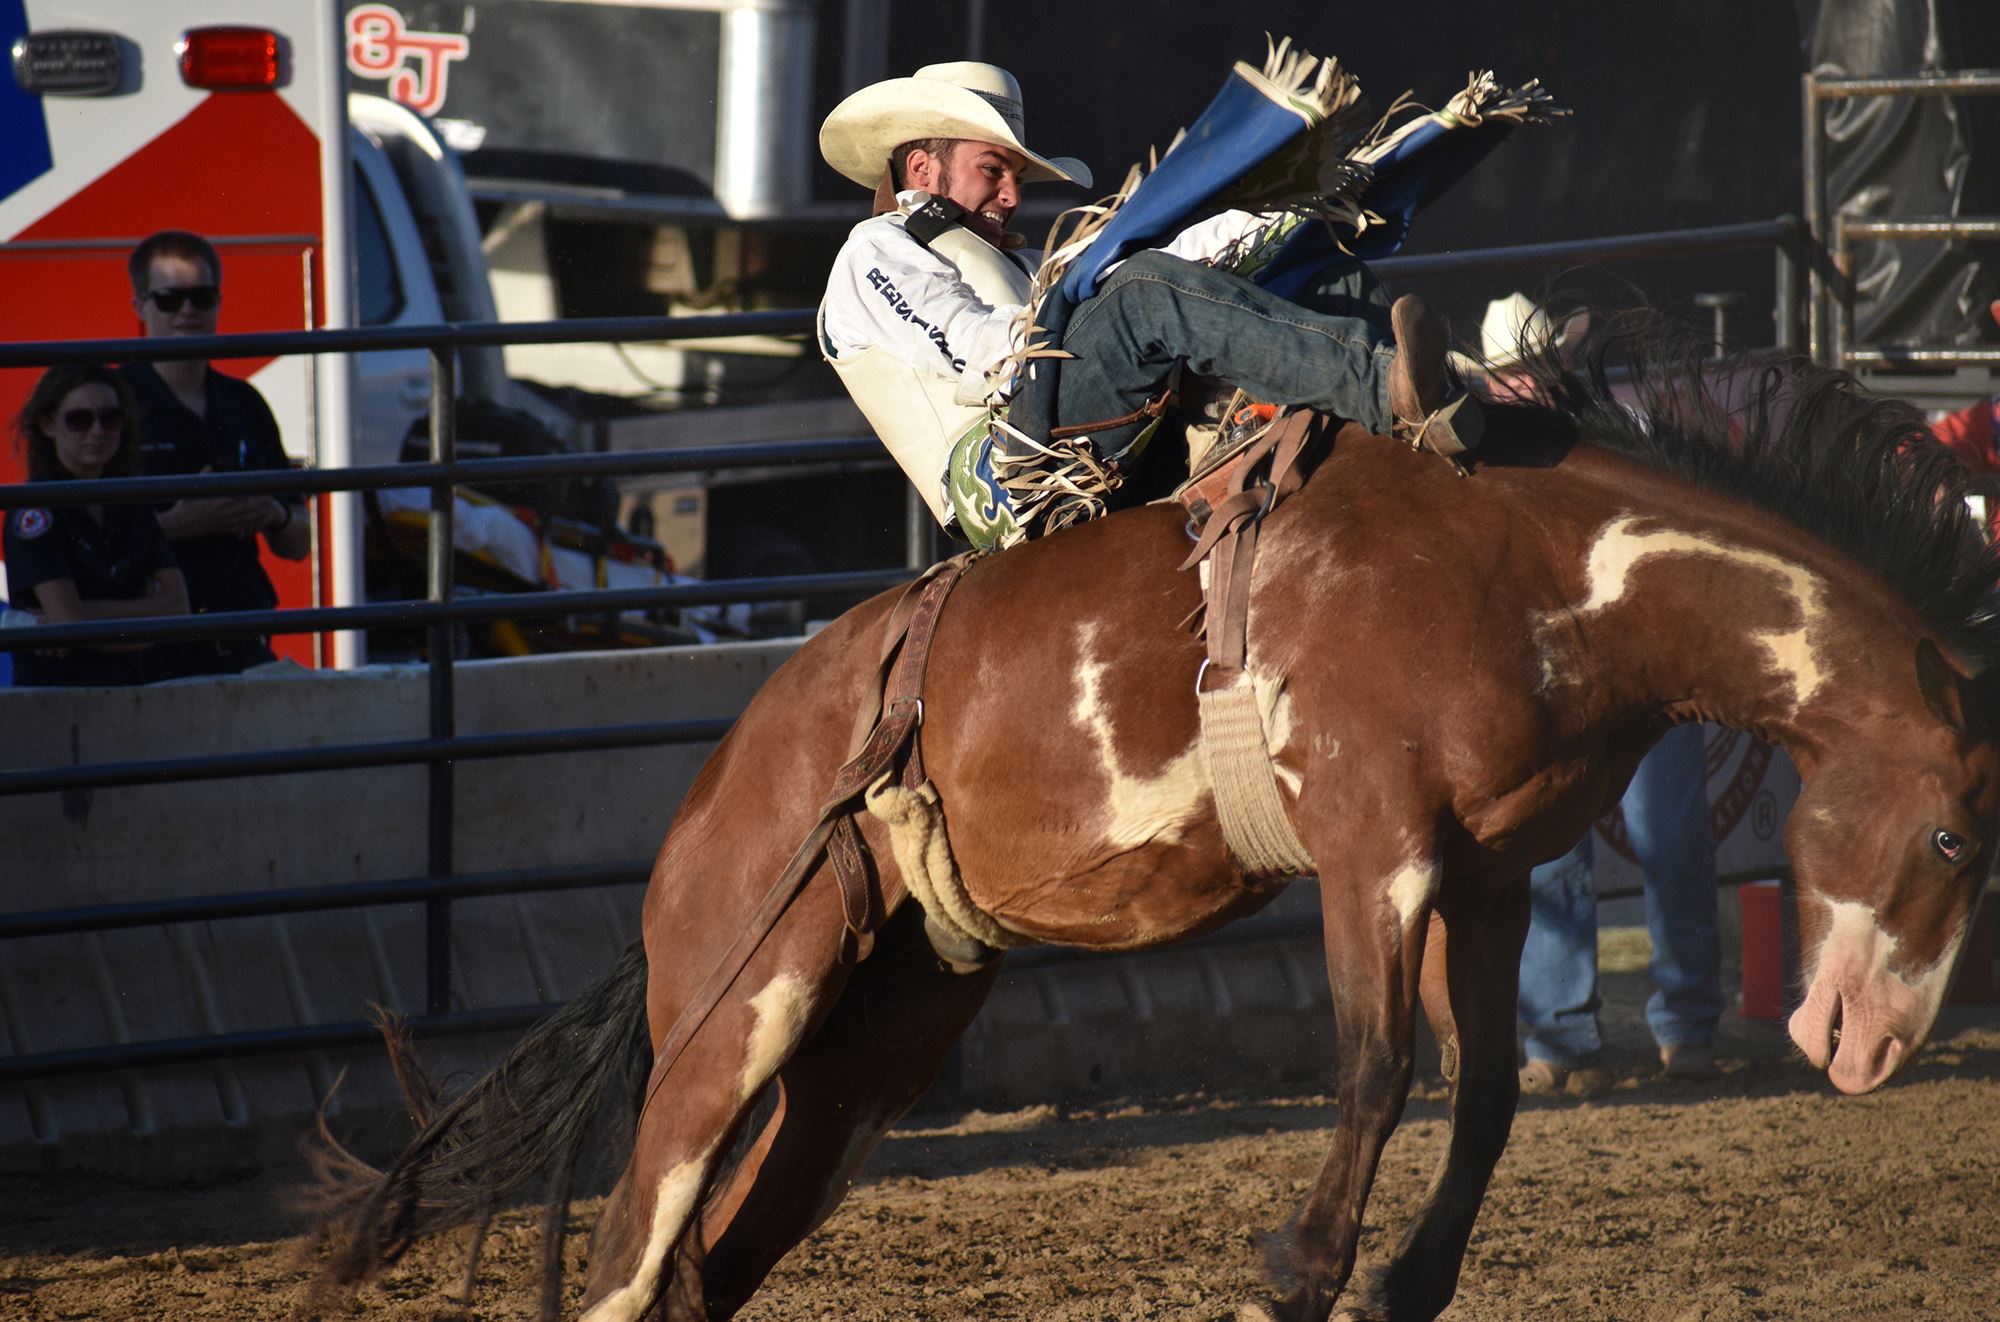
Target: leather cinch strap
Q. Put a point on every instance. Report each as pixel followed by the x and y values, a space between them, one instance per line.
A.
pixel 905 653
pixel 1229 504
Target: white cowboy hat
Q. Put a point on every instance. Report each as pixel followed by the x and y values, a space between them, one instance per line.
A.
pixel 966 100
pixel 1514 325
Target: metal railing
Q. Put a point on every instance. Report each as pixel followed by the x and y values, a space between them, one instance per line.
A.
pixel 441 611
pixel 1830 299
pixel 1785 236
pixel 438 614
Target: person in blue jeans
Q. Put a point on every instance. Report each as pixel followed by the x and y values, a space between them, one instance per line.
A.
pixel 925 318
pixel 1667 823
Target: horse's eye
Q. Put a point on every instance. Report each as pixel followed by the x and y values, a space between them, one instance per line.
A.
pixel 1950 844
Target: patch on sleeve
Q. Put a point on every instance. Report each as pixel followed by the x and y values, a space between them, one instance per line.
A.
pixel 32 523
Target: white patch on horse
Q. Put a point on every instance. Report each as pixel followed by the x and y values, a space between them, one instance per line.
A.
pixel 1274 706
pixel 1552 667
pixel 1856 943
pixel 1142 809
pixel 781 1010
pixel 1623 543
pixel 673 1203
pixel 1413 887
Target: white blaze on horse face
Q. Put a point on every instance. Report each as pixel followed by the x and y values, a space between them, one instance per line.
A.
pixel 781 1009
pixel 1883 1016
pixel 1140 809
pixel 673 1204
pixel 1626 541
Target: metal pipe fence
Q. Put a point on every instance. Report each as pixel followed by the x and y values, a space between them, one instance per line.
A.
pixel 1830 294
pixel 442 610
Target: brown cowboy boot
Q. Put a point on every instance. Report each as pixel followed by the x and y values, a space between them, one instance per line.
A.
pixel 1425 417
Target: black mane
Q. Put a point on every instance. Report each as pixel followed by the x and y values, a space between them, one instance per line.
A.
pixel 1860 471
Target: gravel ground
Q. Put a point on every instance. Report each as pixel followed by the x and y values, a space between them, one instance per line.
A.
pixel 1757 1194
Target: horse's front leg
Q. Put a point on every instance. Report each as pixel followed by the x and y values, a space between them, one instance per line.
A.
pixel 1471 968
pixel 1374 951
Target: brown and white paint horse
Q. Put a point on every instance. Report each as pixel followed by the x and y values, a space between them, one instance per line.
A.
pixel 1460 674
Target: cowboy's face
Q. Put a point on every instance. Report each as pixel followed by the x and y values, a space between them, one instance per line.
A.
pixel 982 177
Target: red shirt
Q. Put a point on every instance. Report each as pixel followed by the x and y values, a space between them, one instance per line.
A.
pixel 1970 434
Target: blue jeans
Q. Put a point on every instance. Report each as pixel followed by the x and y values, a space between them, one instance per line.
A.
pixel 1156 310
pixel 1666 820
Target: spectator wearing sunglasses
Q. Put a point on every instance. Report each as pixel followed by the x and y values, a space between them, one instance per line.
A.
pixel 194 419
pixel 71 564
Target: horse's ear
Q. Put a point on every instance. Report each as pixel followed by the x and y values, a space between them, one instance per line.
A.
pixel 1940 684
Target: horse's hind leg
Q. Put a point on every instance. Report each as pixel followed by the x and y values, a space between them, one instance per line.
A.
pixel 878 1049
pixel 688 1122
pixel 1471 968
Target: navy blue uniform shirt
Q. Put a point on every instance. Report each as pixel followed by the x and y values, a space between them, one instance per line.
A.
pixel 114 560
pixel 237 434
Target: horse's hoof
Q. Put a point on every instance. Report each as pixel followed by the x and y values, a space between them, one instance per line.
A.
pixel 1366 1299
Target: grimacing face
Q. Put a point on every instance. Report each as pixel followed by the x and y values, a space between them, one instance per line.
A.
pixel 982 177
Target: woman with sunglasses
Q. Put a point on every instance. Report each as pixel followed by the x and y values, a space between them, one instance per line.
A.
pixel 71 564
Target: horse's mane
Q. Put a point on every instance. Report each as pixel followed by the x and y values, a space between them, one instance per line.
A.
pixel 1858 470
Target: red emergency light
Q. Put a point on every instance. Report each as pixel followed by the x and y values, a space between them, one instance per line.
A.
pixel 229 59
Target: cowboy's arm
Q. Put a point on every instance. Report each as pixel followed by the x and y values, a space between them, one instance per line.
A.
pixel 894 294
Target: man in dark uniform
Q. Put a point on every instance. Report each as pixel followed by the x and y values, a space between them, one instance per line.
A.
pixel 193 419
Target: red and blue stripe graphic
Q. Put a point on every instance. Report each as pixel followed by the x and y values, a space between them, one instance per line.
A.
pixel 25 154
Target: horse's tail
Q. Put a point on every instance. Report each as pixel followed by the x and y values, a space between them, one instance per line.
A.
pixel 517 1131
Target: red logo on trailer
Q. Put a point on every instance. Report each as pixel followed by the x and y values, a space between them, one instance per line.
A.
pixel 378 43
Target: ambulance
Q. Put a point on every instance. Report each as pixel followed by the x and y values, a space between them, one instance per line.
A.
pixel 231 118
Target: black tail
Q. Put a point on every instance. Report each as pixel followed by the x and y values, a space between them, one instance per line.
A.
pixel 517 1131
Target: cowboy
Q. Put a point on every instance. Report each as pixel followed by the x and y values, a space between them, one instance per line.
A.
pixel 923 316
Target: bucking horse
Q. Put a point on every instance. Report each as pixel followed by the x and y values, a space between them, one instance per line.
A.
pixel 1455 675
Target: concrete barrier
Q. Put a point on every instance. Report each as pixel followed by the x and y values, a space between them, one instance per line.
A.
pixel 189 979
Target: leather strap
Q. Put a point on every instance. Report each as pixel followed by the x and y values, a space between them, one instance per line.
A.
pixel 1152 408
pixel 932 219
pixel 896 731
pixel 1227 505
pixel 906 642
pixel 859 907
pixel 1228 530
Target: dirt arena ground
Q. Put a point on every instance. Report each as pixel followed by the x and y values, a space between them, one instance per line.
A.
pixel 1759 1194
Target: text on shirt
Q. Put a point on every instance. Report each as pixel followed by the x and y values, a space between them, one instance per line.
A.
pixel 901 307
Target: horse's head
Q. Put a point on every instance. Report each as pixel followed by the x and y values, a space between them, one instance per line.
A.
pixel 1892 841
